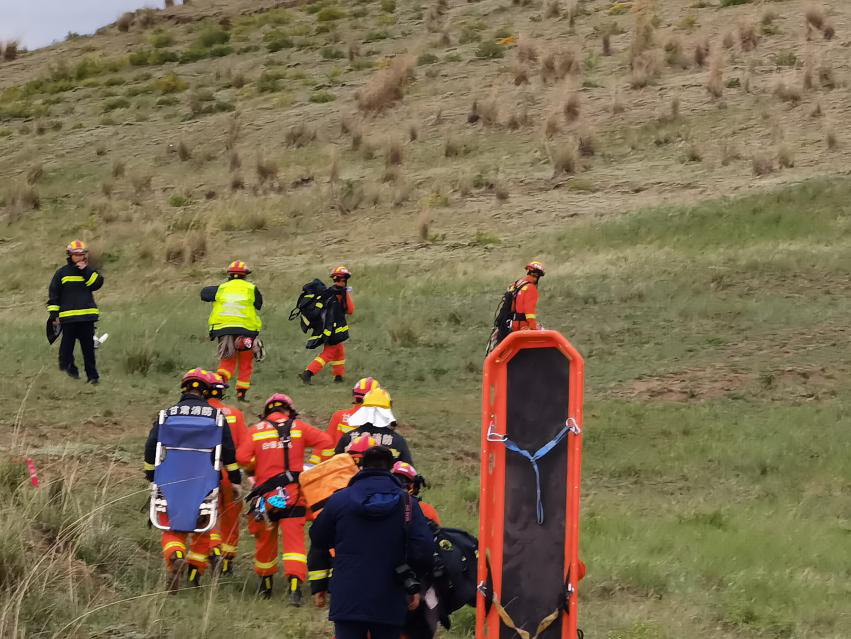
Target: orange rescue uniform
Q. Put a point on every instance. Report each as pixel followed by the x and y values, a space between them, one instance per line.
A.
pixel 334 355
pixel 263 451
pixel 526 304
pixel 226 534
pixel 339 424
pixel 244 360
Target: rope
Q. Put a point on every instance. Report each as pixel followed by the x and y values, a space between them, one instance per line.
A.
pixel 545 623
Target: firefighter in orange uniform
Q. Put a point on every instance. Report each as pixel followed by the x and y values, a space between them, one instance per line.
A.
pixel 339 424
pixel 525 311
pixel 225 538
pixel 274 449
pixel 334 354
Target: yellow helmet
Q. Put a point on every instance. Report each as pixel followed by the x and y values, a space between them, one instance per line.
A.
pixel 378 397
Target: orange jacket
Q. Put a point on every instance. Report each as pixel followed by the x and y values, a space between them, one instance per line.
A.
pixel 263 451
pixel 430 512
pixel 235 420
pixel 339 424
pixel 526 303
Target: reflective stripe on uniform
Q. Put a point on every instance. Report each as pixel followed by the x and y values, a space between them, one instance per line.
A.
pixel 53 307
pixel 230 419
pixel 263 565
pixel 339 362
pixel 316 575
pixel 77 313
pixel 72 278
pixel 224 373
pixel 531 316
pixel 174 545
pixel 314 459
pixel 295 556
pixel 295 433
pixel 345 428
pixel 341 329
pixel 197 556
pixel 266 434
pixel 232 467
pixel 228 548
pixel 328 452
pixel 319 360
pixel 92 279
pixel 215 536
pixel 243 385
pixel 149 466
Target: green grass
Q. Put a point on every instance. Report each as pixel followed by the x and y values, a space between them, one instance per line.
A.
pixel 716 456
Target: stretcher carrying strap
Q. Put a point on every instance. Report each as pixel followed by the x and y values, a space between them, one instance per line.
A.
pixel 569 427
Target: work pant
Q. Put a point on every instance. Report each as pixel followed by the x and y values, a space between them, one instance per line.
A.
pixel 226 534
pixel 266 549
pixel 365 630
pixel 245 361
pixel 334 355
pixel 72 332
pixel 199 548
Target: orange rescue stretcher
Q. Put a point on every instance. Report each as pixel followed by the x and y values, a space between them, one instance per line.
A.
pixel 529 504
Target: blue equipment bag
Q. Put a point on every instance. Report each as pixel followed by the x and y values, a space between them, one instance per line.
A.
pixel 185 491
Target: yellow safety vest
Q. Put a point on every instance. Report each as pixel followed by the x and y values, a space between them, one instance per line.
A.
pixel 234 307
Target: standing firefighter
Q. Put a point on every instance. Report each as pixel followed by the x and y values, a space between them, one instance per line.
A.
pixel 375 418
pixel 184 463
pixel 72 307
pixel 234 321
pixel 339 424
pixel 335 328
pixel 274 449
pixel 225 538
pixel 518 308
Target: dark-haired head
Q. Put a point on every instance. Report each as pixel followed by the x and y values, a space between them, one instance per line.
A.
pixel 378 457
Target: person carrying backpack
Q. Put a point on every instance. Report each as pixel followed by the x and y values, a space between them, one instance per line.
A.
pixel 235 323
pixel 340 304
pixel 195 387
pixel 71 307
pixel 274 450
pixel 518 308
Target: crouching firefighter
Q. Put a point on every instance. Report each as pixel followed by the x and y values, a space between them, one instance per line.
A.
pixel 186 449
pixel 225 537
pixel 274 449
pixel 235 322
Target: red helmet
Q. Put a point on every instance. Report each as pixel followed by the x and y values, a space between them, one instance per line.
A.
pixel 198 379
pixel 360 445
pixel 341 271
pixel 219 386
pixel 363 386
pixel 238 267
pixel 404 469
pixel 535 267
pixel 276 402
pixel 77 248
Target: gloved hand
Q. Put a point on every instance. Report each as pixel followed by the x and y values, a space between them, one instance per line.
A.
pixel 320 599
pixel 82 264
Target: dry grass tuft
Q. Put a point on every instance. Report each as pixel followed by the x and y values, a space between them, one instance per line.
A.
pixel 674 112
pixel 413 132
pixel 674 53
pixel 521 74
pixel 555 65
pixel 234 161
pixel 762 164
pixel 117 168
pixel 788 92
pixel 106 188
pixel 520 118
pixel 100 149
pixel 334 166
pixel 729 153
pixel 195 246
pixel 748 34
pixel 9 50
pixel 552 9
pixel 500 190
pixel 452 148
pixel 35 173
pixel 694 153
pixel 300 135
pixel 237 183
pixel 486 111
pixel 815 16
pixel 816 111
pixel 826 77
pixel 785 157
pixel 830 138
pixel 387 86
pixel 527 49
pixel 572 105
pixel 234 129
pixel 701 52
pixel 586 142
pixel 617 105
pixel 183 151
pixel 829 31
pixel 125 21
pixel 564 157
pixel 715 80
pixel 808 75
pixel 393 152
pixel 267 170
pixel 552 125
pixel 645 69
pixel 607 43
pixel 353 52
pixel 423 223
pixel 729 40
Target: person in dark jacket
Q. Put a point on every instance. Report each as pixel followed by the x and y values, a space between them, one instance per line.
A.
pixel 375 418
pixel 380 539
pixel 71 305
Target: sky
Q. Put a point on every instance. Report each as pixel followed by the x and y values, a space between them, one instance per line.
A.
pixel 37 23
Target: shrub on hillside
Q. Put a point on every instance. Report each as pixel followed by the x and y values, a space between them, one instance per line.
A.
pixel 387 86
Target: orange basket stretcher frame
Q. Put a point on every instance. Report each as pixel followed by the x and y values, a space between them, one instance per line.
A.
pixel 492 503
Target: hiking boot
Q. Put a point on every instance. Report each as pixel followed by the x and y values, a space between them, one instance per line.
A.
pixel 176 562
pixel 240 394
pixel 338 379
pixel 265 588
pixel 194 577
pixel 215 560
pixel 305 376
pixel 94 381
pixel 73 373
pixel 226 566
pixel 295 592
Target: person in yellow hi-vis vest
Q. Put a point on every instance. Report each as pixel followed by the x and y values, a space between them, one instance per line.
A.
pixel 235 322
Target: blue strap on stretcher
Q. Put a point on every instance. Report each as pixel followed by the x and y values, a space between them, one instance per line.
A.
pixel 533 459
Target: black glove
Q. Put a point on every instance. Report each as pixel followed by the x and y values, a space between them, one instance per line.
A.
pixel 54 315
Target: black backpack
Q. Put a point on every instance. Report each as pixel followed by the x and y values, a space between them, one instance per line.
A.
pixel 504 314
pixel 310 304
pixel 455 581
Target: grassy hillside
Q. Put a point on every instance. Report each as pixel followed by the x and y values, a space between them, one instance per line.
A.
pixel 710 303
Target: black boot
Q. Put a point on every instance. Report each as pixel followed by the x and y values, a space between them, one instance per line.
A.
pixel 265 588
pixel 226 566
pixel 176 562
pixel 240 394
pixel 216 562
pixel 305 376
pixel 194 577
pixel 338 379
pixel 295 591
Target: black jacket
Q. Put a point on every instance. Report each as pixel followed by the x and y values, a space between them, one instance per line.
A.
pixel 228 450
pixel 365 525
pixel 70 294
pixel 383 437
